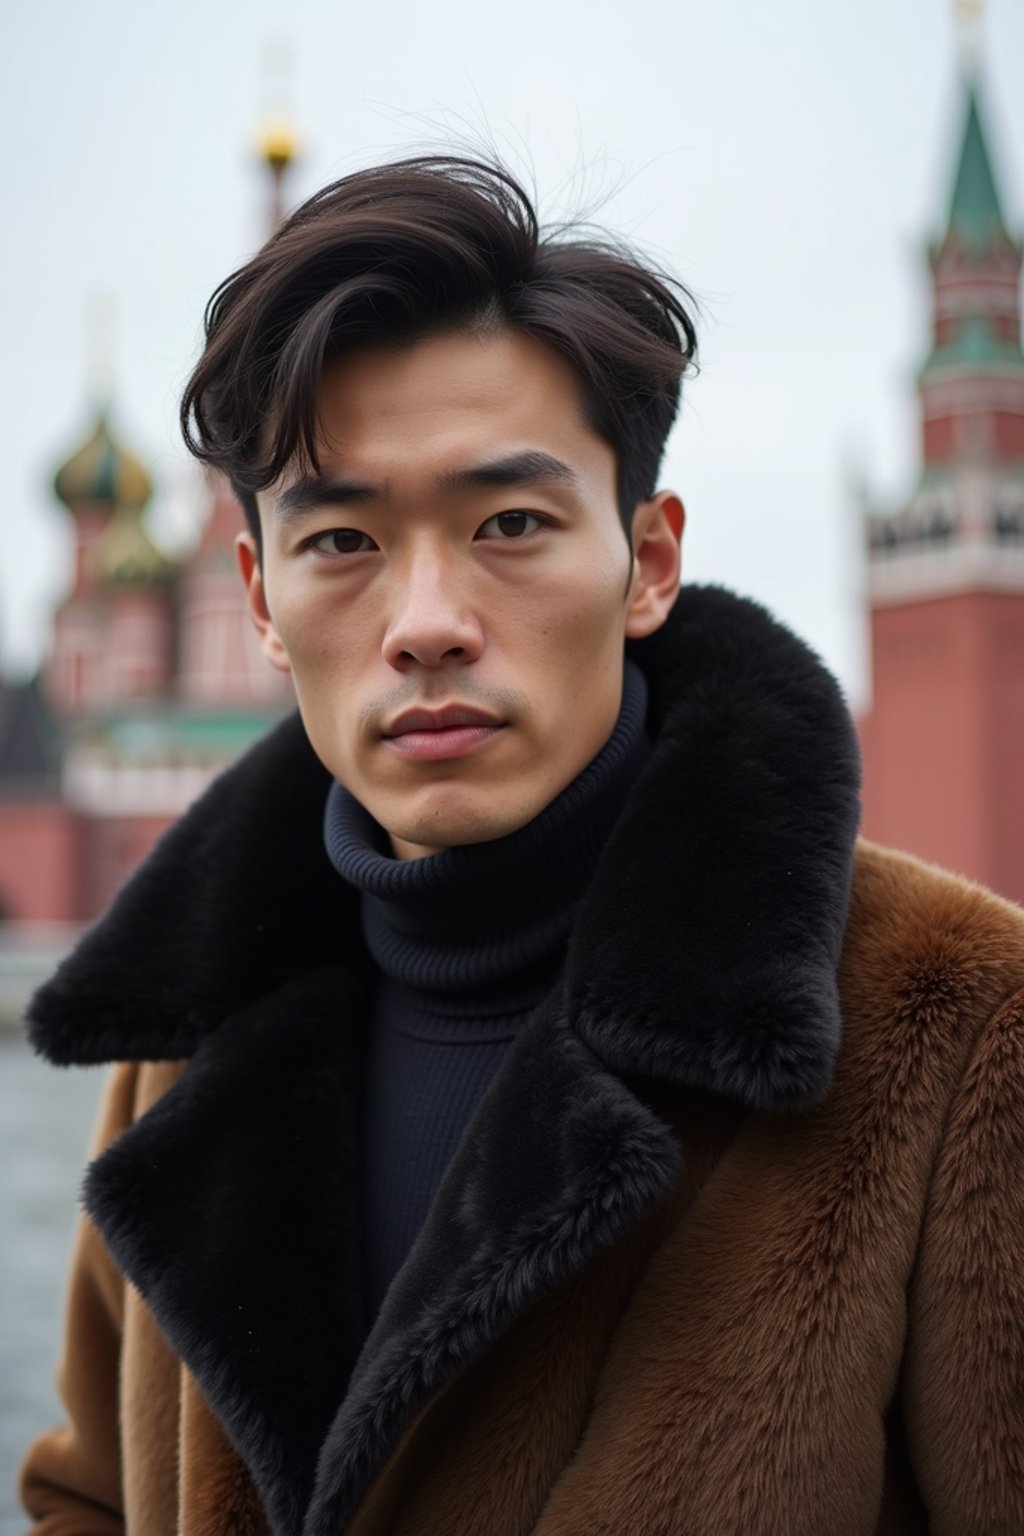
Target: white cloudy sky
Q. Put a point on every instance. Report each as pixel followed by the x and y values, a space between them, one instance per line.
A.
pixel 788 160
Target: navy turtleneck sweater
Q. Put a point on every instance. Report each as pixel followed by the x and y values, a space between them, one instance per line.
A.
pixel 468 942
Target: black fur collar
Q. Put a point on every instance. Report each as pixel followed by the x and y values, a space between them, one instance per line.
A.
pixel 704 958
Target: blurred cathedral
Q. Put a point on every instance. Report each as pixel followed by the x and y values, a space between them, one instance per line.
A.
pixel 153 683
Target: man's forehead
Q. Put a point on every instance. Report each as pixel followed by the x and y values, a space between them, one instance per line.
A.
pixel 505 375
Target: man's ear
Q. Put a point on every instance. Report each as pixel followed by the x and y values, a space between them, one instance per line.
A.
pixel 248 556
pixel 656 536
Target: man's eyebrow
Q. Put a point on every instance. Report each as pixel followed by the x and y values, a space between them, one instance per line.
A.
pixel 314 491
pixel 530 467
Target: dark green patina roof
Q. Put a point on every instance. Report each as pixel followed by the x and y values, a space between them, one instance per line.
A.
pixel 974 344
pixel 975 216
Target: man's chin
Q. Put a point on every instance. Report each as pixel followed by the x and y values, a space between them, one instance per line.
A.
pixel 436 828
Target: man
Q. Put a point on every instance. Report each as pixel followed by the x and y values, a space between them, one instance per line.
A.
pixel 534 1113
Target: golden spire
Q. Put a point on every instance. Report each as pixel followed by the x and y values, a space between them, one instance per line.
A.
pixel 277 142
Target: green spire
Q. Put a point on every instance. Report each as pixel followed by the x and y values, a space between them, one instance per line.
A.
pixel 975 217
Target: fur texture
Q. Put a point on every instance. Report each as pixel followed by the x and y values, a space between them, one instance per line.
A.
pixel 731 1191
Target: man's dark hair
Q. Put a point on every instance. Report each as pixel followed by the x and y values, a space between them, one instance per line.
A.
pixel 398 252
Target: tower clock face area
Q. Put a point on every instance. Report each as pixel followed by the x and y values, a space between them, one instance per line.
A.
pixel 944 739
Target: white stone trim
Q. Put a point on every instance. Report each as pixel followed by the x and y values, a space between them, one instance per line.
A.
pixel 902 576
pixel 97 787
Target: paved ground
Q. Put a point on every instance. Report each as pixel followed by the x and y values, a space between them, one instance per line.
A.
pixel 45 1119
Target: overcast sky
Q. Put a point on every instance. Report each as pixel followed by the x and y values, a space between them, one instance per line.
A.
pixel 788 160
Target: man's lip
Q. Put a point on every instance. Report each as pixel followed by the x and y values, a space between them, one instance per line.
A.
pixel 446 719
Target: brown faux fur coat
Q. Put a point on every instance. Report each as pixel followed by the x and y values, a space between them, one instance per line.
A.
pixel 733 1247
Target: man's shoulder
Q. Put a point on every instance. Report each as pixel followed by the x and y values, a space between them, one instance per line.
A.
pixel 921 939
pixel 902 888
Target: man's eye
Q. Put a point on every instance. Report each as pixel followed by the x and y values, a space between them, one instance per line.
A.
pixel 341 541
pixel 509 525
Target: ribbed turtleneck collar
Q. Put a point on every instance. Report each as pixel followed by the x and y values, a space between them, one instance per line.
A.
pixel 482 924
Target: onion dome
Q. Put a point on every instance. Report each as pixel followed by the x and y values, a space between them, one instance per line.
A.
pixel 103 472
pixel 126 555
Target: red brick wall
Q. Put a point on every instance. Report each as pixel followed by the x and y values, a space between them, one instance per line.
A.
pixel 1005 702
pixel 1001 431
pixel 113 848
pixel 39 864
pixel 1008 432
pixel 939 439
pixel 944 743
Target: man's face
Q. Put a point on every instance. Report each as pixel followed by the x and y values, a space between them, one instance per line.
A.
pixel 452 592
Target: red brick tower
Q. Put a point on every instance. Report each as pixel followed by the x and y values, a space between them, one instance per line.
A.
pixel 944 742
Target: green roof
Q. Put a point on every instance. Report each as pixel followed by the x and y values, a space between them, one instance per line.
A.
pixel 974 344
pixel 975 216
pixel 139 734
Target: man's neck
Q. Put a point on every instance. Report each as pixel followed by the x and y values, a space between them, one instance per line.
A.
pixel 474 915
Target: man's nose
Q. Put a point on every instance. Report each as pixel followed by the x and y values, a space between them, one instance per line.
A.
pixel 431 621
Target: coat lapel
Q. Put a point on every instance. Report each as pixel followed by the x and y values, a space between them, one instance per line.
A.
pixel 704 957
pixel 233 1207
